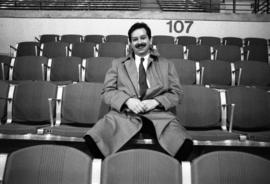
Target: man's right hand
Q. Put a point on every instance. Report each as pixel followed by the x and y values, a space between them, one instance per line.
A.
pixel 135 105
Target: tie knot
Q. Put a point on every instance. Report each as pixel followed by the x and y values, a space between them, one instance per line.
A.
pixel 142 60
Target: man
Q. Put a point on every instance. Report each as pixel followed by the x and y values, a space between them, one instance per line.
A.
pixel 141 89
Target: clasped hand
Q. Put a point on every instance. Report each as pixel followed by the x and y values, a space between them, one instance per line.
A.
pixel 137 106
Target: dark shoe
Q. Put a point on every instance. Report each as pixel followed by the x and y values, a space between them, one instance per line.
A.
pixel 96 153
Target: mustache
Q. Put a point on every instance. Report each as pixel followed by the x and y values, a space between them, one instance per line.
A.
pixel 140 45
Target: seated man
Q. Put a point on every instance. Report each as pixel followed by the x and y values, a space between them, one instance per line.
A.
pixel 140 89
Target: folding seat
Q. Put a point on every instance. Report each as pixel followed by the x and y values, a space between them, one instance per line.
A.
pixel 198 52
pixel 94 69
pixel 54 49
pixel 64 69
pixel 162 39
pixel 94 38
pixel 83 50
pixel 233 167
pixel 257 53
pixel 81 107
pixel 112 49
pixel 4 66
pixel 27 68
pixel 141 166
pixel 230 53
pixel 253 73
pixel 217 74
pixel 252 41
pixel 188 71
pixel 233 41
pixel 26 49
pixel 71 38
pixel 209 40
pixel 48 164
pixel 202 114
pixel 44 38
pixel 170 50
pixel 186 40
pixel 250 116
pixel 117 38
pixel 27 107
pixel 4 86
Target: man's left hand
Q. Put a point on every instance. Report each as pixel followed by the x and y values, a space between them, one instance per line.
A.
pixel 149 105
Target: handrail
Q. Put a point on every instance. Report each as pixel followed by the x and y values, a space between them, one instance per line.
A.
pixel 261 6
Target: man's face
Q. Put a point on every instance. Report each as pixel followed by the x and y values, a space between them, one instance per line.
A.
pixel 140 42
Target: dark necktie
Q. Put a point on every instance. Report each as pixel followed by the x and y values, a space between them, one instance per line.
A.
pixel 142 79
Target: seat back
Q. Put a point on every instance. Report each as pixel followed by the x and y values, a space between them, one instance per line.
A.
pixel 170 50
pixel 54 49
pixel 162 39
pixel 198 52
pixel 186 40
pixel 49 38
pixel 97 39
pixel 140 166
pixel 117 38
pixel 253 41
pixel 209 40
pixel 71 38
pixel 230 53
pixel 50 164
pixel 230 167
pixel 27 49
pixel 112 49
pixel 257 53
pixel 233 41
pixel 83 50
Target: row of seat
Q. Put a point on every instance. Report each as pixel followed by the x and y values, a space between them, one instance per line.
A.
pixel 208 114
pixel 229 53
pixel 51 164
pixel 219 74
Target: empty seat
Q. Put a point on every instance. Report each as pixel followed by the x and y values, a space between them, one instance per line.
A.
pixel 233 41
pixel 201 113
pixel 4 86
pixel 26 49
pixel 230 167
pixel 188 71
pixel 250 115
pixel 81 107
pixel 218 74
pixel 112 49
pixel 170 51
pixel 71 38
pixel 257 53
pixel 117 38
pixel 27 68
pixel 94 69
pixel 83 50
pixel 94 38
pixel 48 38
pixel 54 49
pixel 198 52
pixel 27 107
pixel 48 164
pixel 253 41
pixel 141 166
pixel 253 73
pixel 209 40
pixel 230 53
pixel 186 40
pixel 64 69
pixel 162 39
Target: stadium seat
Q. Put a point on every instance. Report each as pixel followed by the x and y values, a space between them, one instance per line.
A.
pixel 112 49
pixel 44 38
pixel 162 39
pixel 141 166
pixel 253 73
pixel 202 114
pixel 253 41
pixel 94 69
pixel 27 109
pixel 83 50
pixel 188 71
pixel 257 53
pixel 186 40
pixel 198 52
pixel 236 41
pixel 217 74
pixel 250 115
pixel 232 167
pixel 4 86
pixel 27 68
pixel 81 107
pixel 230 53
pixel 48 164
pixel 209 41
pixel 71 38
pixel 26 49
pixel 54 49
pixel 64 69
pixel 170 50
pixel 94 38
pixel 117 38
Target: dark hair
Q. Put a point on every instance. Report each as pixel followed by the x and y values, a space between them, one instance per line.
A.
pixel 139 25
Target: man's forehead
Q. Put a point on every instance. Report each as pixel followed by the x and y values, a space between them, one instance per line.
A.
pixel 139 32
